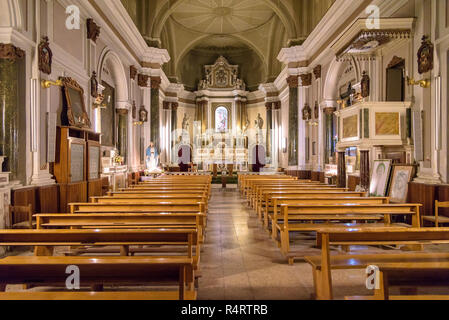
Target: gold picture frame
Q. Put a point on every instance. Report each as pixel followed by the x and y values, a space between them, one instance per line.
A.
pixel 74 103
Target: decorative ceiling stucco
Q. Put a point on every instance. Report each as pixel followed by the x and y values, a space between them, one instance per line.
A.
pixel 248 32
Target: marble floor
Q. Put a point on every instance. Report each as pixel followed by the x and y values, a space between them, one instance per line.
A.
pixel 240 261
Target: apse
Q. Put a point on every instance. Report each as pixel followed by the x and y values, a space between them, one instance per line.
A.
pixel 190 69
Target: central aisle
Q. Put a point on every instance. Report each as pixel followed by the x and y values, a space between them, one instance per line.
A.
pixel 241 262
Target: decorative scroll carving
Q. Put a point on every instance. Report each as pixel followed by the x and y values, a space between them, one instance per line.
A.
pixel 317 71
pixel 45 56
pixel 132 72
pixel 306 79
pixel 221 75
pixel 10 52
pixel 93 30
pixel 143 114
pixel 425 56
pixel 293 81
pixel 306 112
pixel 395 61
pixel 142 80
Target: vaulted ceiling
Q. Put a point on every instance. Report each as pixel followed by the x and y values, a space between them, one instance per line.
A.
pixel 249 33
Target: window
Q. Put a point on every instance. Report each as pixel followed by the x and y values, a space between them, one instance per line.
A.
pixel 221 119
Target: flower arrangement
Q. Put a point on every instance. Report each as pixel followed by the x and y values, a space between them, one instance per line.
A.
pixel 118 160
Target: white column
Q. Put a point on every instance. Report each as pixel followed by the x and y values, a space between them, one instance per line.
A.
pixel 40 176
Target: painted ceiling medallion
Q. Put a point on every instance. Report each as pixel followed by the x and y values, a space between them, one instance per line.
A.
pixel 222 16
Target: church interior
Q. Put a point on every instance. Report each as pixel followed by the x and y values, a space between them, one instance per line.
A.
pixel 224 150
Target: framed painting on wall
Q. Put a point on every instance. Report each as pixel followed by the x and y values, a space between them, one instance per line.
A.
pixel 401 177
pixel 379 178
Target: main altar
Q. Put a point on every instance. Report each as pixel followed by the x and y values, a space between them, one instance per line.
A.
pixel 221 128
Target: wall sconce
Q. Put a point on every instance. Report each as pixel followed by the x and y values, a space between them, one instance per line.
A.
pixel 46 84
pixel 425 83
pixel 284 145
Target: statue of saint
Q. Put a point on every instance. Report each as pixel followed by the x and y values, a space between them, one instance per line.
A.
pixel 185 122
pixel 259 122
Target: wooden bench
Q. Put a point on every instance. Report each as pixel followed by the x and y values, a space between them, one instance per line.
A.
pixel 259 196
pixel 44 241
pixel 97 296
pixel 146 199
pixel 292 216
pixel 267 207
pixel 324 263
pixel 255 197
pixel 246 185
pixel 123 221
pixel 121 271
pixel 278 202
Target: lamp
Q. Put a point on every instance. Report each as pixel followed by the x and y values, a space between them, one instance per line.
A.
pixel 425 83
pixel 46 84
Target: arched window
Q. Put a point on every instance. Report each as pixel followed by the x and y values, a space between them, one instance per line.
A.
pixel 221 119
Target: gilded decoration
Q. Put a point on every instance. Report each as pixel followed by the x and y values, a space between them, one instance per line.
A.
pixel 45 56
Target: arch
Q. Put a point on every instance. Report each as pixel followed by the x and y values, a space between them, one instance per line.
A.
pixel 11 14
pixel 198 40
pixel 278 8
pixel 330 91
pixel 118 74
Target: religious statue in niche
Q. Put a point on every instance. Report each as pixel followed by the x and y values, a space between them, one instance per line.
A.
pixel 185 122
pixel 246 125
pixel 425 56
pixel 259 122
pixel 94 85
pixel 45 56
pixel 365 85
pixel 306 112
pixel 143 114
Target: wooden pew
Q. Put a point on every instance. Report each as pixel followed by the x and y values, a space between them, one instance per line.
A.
pixel 267 205
pixel 323 264
pixel 259 196
pixel 255 196
pixel 121 271
pixel 44 241
pixel 123 221
pixel 247 182
pixel 97 296
pixel 417 273
pixel 278 202
pixel 291 217
pixel 144 199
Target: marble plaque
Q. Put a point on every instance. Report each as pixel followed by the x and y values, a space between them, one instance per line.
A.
pixel 387 123
pixel 350 125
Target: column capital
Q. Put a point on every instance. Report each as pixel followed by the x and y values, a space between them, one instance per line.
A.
pixel 306 79
pixel 293 81
pixel 155 82
pixel 142 80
